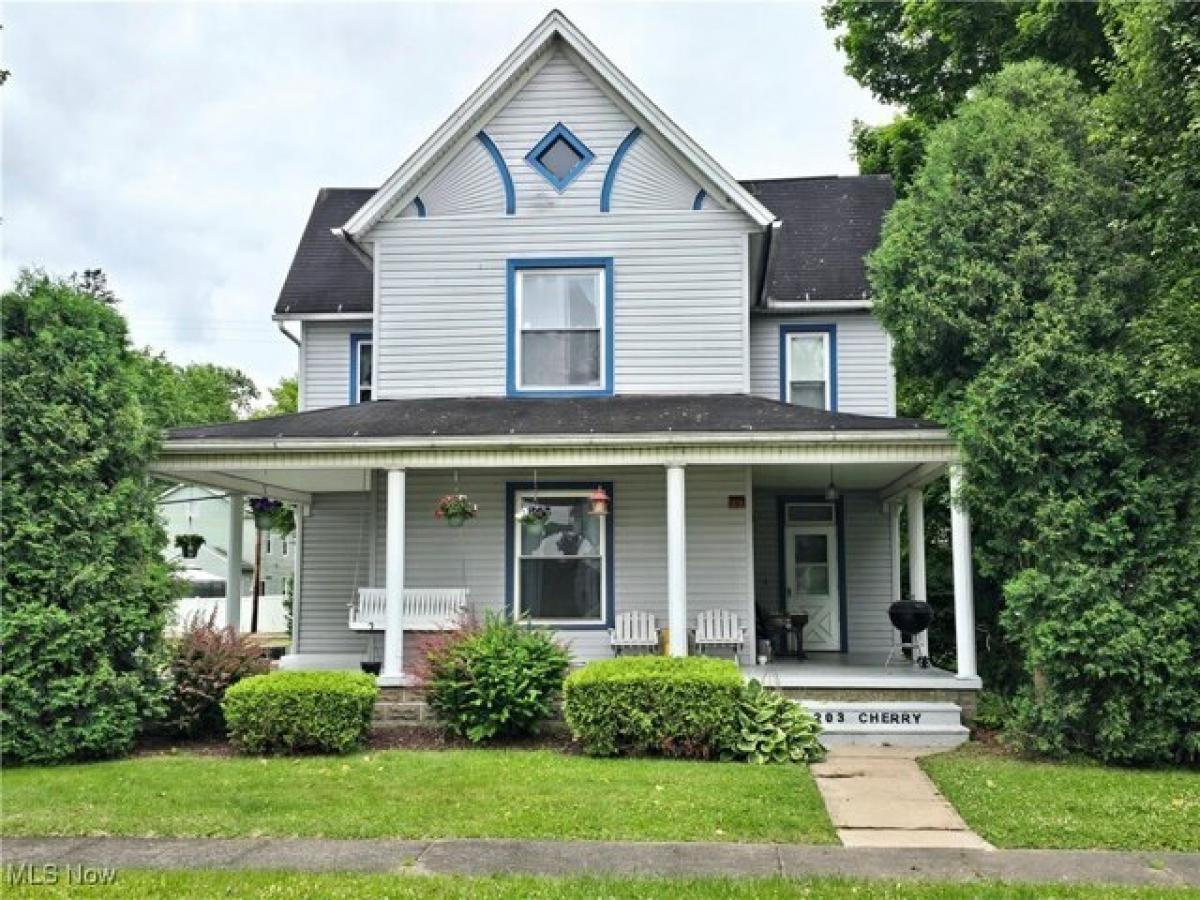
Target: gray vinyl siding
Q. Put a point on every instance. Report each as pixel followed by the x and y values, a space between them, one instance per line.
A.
pixel 864 371
pixel 331 555
pixel 325 362
pixel 649 178
pixel 868 566
pixel 474 556
pixel 680 276
pixel 679 317
pixel 468 185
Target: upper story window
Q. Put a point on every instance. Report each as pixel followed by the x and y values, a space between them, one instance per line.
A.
pixel 560 157
pixel 808 366
pixel 560 326
pixel 362 368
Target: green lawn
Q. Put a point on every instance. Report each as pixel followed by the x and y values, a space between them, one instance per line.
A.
pixel 305 885
pixel 1014 802
pixel 465 793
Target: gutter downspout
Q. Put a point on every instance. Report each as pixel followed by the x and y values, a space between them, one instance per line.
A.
pixel 287 334
pixel 768 257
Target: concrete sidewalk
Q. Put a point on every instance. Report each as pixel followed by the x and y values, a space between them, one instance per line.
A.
pixel 484 857
pixel 880 797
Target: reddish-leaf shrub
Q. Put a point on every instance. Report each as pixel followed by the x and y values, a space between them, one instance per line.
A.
pixel 204 661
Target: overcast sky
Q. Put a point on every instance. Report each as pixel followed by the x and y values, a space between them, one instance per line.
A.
pixel 179 147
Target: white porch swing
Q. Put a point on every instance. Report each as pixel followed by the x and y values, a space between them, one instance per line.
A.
pixel 425 609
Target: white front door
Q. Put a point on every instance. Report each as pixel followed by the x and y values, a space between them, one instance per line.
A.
pixel 810 568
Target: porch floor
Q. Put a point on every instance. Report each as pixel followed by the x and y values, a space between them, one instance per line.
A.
pixel 855 670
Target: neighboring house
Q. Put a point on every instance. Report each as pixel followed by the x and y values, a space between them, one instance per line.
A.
pixel 558 291
pixel 195 509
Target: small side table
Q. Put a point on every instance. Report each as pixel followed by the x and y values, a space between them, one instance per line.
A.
pixel 797 623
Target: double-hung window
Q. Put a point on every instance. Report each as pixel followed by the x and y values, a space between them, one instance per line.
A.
pixel 560 317
pixel 362 368
pixel 561 566
pixel 807 363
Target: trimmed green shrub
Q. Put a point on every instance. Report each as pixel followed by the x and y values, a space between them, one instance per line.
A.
pixel 300 712
pixel 654 704
pixel 772 729
pixel 204 661
pixel 499 680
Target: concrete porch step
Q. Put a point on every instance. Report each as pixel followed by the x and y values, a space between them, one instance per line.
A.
pixel 888 722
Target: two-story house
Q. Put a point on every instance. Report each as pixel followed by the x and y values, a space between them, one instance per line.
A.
pixel 559 295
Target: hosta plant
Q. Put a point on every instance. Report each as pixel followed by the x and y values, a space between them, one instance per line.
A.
pixel 772 729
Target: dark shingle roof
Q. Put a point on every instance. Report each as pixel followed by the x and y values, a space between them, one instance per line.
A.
pixel 326 276
pixel 501 416
pixel 829 226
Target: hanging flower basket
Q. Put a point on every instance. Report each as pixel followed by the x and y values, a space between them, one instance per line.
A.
pixel 533 517
pixel 456 509
pixel 189 544
pixel 264 510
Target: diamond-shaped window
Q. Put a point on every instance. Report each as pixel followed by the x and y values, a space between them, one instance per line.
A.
pixel 560 157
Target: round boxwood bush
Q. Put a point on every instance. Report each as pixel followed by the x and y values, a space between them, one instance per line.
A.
pixel 652 704
pixel 499 680
pixel 300 712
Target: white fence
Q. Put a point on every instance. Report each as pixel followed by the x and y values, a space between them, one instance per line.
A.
pixel 271 617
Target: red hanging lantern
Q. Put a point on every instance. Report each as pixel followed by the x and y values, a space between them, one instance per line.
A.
pixel 600 500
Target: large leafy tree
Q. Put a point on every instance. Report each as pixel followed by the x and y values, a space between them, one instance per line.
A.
pixel 195 394
pixel 1007 277
pixel 925 56
pixel 85 587
pixel 285 398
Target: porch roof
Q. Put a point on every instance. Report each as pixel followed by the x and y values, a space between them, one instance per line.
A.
pixel 506 417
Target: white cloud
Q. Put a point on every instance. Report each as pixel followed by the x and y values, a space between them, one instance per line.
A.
pixel 179 147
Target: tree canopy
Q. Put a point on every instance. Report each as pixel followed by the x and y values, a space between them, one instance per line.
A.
pixel 926 55
pixel 195 394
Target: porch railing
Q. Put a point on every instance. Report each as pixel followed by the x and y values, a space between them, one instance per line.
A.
pixel 425 609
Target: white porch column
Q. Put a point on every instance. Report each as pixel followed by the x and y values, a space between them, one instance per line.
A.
pixel 233 562
pixel 676 560
pixel 915 498
pixel 964 589
pixel 393 639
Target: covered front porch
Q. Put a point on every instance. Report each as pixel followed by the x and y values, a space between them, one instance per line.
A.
pixel 775 515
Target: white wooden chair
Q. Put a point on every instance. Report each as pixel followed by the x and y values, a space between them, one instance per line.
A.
pixel 719 628
pixel 634 630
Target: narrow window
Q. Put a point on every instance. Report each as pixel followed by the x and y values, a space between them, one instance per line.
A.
pixel 362 368
pixel 268 542
pixel 807 369
pixel 560 573
pixel 560 318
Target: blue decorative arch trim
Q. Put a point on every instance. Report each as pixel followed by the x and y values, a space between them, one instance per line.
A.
pixel 610 176
pixel 698 203
pixel 510 193
pixel 420 205
pixel 560 132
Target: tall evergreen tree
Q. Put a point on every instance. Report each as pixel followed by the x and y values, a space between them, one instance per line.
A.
pixel 1008 277
pixel 85 586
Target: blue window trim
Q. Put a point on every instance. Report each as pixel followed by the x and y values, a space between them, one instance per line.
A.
pixel 831 330
pixel 512 488
pixel 839 510
pixel 420 205
pixel 510 194
pixel 610 177
pixel 567 262
pixel 698 203
pixel 585 156
pixel 356 339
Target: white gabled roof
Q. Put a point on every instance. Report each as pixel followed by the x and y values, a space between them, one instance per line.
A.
pixel 467 116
